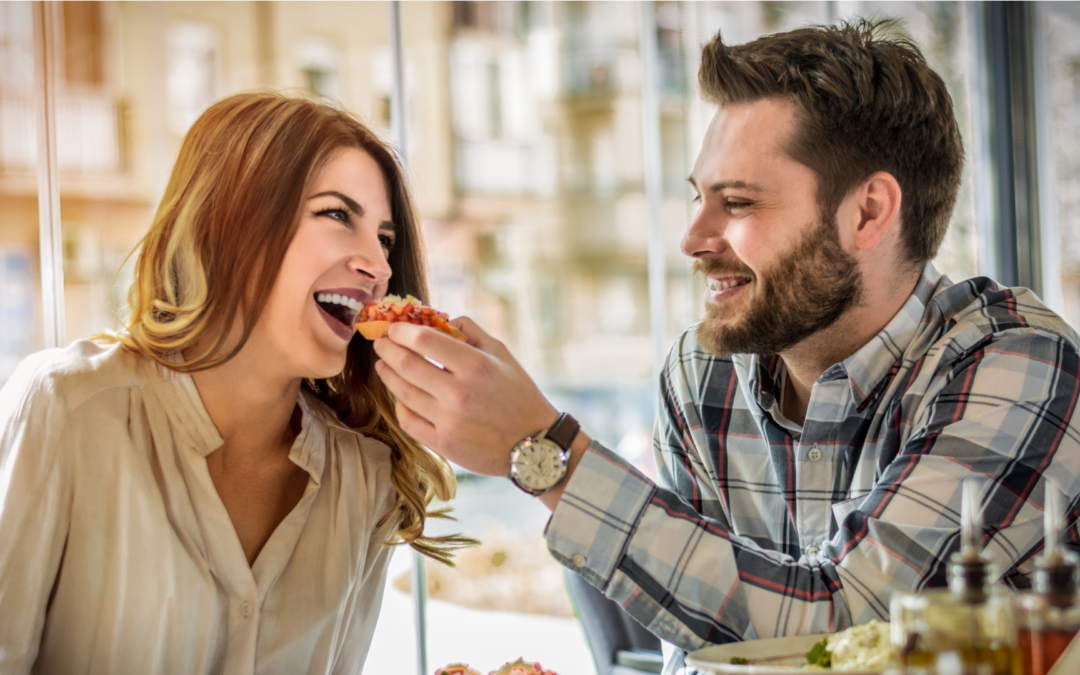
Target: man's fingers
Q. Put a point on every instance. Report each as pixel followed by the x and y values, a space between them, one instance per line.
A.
pixel 477 336
pixel 432 344
pixel 415 425
pixel 411 363
pixel 413 396
pixel 442 348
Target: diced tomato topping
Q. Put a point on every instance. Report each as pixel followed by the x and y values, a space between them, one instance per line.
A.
pixel 393 309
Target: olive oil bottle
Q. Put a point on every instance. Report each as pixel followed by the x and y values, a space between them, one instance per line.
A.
pixel 967 629
pixel 1049 615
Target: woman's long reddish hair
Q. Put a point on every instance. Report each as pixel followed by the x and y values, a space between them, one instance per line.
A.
pixel 228 215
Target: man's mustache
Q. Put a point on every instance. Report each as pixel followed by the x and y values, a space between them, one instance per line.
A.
pixel 719 268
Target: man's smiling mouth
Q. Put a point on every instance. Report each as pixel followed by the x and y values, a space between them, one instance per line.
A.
pixel 726 283
pixel 341 307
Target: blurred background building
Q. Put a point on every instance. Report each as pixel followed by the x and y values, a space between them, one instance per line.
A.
pixel 525 151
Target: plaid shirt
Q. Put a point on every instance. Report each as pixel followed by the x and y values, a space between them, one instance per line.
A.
pixel 763 529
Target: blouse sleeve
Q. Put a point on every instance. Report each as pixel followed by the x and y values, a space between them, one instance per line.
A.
pixel 35 498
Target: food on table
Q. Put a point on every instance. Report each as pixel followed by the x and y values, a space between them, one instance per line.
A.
pixel 456 669
pixel 859 648
pixel 376 316
pixel 866 647
pixel 519 667
pixel 522 667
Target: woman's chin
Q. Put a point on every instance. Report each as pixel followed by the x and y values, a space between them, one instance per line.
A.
pixel 326 364
pixel 330 371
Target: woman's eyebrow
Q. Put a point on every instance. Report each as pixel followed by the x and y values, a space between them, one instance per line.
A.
pixel 350 202
pixel 388 225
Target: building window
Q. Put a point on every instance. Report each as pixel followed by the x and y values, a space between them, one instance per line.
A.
pixel 16 46
pixel 318 63
pixel 193 78
pixel 83 54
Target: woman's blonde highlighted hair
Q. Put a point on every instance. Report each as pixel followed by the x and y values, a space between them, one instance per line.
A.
pixel 229 213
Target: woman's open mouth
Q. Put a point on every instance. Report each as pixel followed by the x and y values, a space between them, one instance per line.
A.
pixel 340 311
pixel 341 307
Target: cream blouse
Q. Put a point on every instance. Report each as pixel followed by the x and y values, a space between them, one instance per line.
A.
pixel 118 557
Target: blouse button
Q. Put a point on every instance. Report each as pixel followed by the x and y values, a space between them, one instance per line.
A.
pixel 814 454
pixel 245 609
pixel 579 560
pixel 813 550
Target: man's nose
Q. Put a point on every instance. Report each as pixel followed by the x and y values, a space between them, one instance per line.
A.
pixel 704 236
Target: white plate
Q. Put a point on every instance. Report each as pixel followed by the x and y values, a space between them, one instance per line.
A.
pixel 773 656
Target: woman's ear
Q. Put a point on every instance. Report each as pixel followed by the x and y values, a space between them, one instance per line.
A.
pixel 877 201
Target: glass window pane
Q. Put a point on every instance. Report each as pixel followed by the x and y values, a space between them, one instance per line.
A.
pixel 545 241
pixel 102 215
pixel 525 151
pixel 1063 50
pixel 21 330
pixel 944 32
pixel 519 172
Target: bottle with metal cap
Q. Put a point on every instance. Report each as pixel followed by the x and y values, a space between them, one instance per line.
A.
pixel 1048 615
pixel 967 629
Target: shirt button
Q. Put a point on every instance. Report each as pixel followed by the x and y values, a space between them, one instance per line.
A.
pixel 579 560
pixel 245 609
pixel 813 550
pixel 814 454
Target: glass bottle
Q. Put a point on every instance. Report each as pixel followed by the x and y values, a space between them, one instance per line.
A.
pixel 967 629
pixel 1048 615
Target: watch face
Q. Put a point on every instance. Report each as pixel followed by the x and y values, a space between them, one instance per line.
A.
pixel 538 464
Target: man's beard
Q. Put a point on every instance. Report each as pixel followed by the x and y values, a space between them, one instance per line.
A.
pixel 806 291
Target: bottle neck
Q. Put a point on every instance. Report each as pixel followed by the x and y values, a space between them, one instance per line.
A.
pixel 968 578
pixel 1056 581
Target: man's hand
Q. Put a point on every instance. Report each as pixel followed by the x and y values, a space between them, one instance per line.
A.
pixel 475 408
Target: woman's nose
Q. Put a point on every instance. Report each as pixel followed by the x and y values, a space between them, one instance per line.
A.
pixel 373 263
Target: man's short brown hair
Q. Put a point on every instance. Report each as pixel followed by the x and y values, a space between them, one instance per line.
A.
pixel 865 103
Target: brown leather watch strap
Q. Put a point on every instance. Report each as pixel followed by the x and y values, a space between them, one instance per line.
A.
pixel 564 431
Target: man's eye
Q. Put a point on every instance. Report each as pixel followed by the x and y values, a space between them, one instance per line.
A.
pixel 733 206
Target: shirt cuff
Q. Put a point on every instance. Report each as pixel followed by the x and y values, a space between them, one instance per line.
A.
pixel 597 514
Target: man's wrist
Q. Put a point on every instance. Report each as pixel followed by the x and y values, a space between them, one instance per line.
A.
pixel 538 463
pixel 577 450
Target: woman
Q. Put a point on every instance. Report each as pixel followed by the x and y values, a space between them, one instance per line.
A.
pixel 214 489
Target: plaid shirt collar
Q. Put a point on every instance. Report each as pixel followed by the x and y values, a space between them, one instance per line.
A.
pixel 867 368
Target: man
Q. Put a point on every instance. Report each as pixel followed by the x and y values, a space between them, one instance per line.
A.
pixel 815 427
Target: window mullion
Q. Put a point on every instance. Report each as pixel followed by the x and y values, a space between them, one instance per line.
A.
pixel 398 125
pixel 46 24
pixel 650 128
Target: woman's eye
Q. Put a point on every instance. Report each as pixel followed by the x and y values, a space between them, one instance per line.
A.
pixel 387 242
pixel 339 215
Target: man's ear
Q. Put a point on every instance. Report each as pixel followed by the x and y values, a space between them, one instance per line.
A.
pixel 877 200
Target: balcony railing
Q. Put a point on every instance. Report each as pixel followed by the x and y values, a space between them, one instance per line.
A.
pixel 88 127
pixel 503 168
pixel 589 69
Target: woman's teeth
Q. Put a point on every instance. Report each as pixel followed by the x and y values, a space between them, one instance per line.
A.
pixel 715 285
pixel 345 300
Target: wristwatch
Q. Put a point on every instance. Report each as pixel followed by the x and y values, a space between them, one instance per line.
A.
pixel 539 464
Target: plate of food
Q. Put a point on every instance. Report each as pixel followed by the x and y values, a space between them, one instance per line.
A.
pixel 519 667
pixel 860 650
